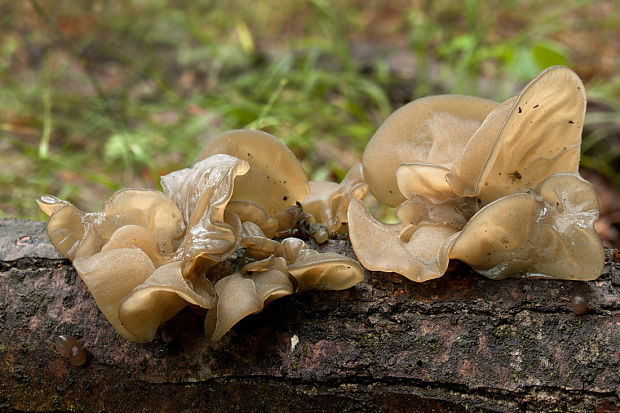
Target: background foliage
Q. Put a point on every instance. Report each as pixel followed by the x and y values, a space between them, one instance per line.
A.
pixel 100 95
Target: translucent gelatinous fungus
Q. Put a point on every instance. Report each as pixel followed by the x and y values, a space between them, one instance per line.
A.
pixel 275 180
pixel 268 275
pixel 431 130
pixel 579 305
pixel 148 254
pixel 71 349
pixel 524 140
pixel 549 232
pixel 495 186
pixel 328 202
pixel 202 193
pixel 77 234
pixel 417 248
pixel 241 295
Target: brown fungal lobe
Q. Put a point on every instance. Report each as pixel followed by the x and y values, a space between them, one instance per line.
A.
pixel 579 305
pixel 71 349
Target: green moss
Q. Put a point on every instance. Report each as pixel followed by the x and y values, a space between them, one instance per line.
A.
pixel 56 401
pixel 504 331
pixel 371 341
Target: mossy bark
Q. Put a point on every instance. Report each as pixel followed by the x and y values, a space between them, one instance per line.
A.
pixel 457 343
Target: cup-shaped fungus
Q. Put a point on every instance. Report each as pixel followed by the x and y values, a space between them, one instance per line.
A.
pixel 431 131
pixel 504 197
pixel 78 234
pixel 524 140
pixel 148 254
pixel 546 233
pixel 158 298
pixel 275 180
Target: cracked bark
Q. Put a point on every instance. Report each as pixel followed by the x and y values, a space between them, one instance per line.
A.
pixel 456 343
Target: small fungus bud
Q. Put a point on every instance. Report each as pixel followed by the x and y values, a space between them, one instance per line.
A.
pixel 580 306
pixel 71 349
pixel 320 236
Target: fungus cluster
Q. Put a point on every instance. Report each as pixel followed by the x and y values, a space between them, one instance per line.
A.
pixel 493 185
pixel 146 254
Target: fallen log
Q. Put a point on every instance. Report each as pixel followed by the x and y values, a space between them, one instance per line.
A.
pixel 457 343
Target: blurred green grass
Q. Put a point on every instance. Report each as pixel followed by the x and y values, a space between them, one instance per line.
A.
pixel 97 96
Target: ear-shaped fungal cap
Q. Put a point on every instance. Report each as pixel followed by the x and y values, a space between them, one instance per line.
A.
pixel 110 276
pixel 525 140
pixel 240 296
pixel 262 281
pixel 432 130
pixel 202 194
pixel 78 234
pixel 150 209
pixel 549 235
pixel 311 269
pixel 134 236
pixel 163 294
pixel 275 180
pixel 328 202
pixel 49 204
pixel 251 212
pixel 417 249
pixel 325 271
pixel 67 231
pixel 428 180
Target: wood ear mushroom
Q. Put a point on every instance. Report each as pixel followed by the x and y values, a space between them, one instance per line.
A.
pixel 147 254
pixel 493 185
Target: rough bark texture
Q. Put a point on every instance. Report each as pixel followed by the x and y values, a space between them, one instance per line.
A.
pixel 457 343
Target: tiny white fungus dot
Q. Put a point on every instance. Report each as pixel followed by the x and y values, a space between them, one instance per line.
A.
pixel 294 342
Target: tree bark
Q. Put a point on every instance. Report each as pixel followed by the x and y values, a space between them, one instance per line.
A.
pixel 457 343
